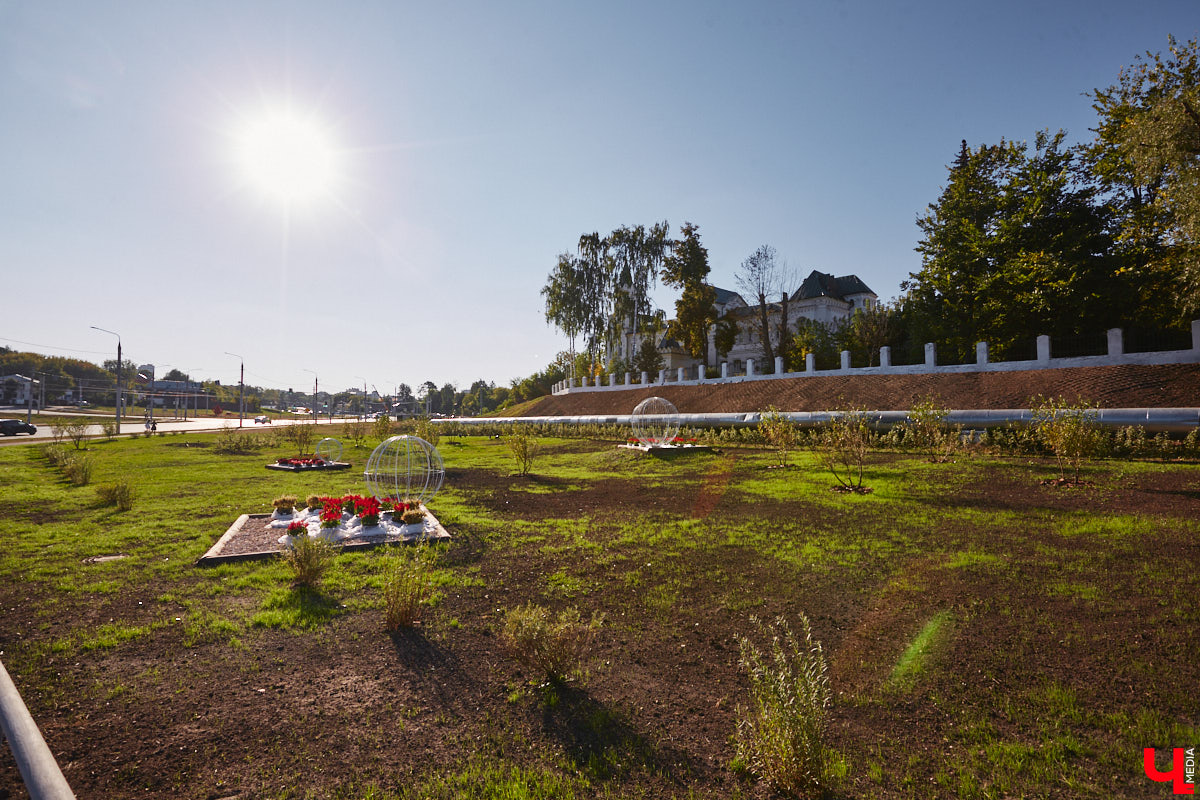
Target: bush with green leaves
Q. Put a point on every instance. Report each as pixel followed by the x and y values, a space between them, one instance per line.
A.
pixel 844 443
pixel 78 469
pixel 233 442
pixel 781 735
pixel 308 559
pixel 119 494
pixel 556 648
pixel 424 428
pixel 407 586
pixel 524 448
pixel 382 427
pixel 779 432
pixel 926 431
pixel 300 436
pixel 355 432
pixel 110 429
pixel 1070 430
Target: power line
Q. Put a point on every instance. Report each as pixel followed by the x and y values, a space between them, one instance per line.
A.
pixel 54 347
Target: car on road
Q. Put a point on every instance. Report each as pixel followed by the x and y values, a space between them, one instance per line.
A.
pixel 262 419
pixel 11 427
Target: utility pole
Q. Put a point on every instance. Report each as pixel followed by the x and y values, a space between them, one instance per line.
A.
pixel 102 330
pixel 241 388
pixel 314 374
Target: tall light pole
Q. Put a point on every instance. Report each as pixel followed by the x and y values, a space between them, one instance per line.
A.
pixel 241 388
pixel 364 380
pixel 187 375
pixel 102 330
pixel 314 394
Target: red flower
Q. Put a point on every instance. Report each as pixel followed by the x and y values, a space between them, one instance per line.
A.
pixel 297 529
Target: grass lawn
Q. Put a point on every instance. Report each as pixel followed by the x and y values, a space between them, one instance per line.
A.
pixel 987 635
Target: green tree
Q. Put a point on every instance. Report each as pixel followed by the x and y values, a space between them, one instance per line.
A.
pixel 1147 156
pixel 687 268
pixel 1015 240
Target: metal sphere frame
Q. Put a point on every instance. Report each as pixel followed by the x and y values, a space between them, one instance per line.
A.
pixel 655 422
pixel 328 449
pixel 405 468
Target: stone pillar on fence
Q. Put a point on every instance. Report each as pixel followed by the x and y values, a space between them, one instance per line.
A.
pixel 1116 342
pixel 1043 348
pixel 645 377
pixel 778 365
pixel 1196 335
pixel 627 377
pixel 749 367
pixel 679 375
pixel 930 354
pixel 724 369
pixel 810 362
pixel 662 376
pixel 701 372
pixel 584 382
pixel 845 359
pixel 885 356
pixel 981 354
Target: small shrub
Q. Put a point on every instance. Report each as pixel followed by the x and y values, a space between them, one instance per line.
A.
pixel 308 559
pixel 844 444
pixel 119 494
pixel 779 432
pixel 1071 431
pixel 314 502
pixel 424 428
pixel 524 448
pixel 77 433
pixel 300 435
pixel 233 442
pixel 781 736
pixel 57 431
pixel 412 516
pixel 78 469
pixel 284 503
pixel 554 648
pixel 110 429
pixel 56 454
pixel 382 427
pixel 926 431
pixel 407 585
pixel 355 432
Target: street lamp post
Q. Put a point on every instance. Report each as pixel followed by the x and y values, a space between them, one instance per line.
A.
pixel 314 374
pixel 102 330
pixel 241 388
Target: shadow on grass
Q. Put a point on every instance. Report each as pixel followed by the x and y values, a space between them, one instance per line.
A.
pixel 602 742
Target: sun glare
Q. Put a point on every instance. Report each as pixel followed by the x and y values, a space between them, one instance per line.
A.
pixel 288 157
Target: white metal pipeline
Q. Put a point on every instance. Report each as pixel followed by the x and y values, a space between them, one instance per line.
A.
pixel 1153 420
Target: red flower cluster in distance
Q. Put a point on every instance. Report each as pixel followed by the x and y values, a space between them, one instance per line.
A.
pixel 297 529
pixel 300 462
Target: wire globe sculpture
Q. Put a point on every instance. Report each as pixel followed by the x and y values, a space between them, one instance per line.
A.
pixel 328 449
pixel 655 422
pixel 405 468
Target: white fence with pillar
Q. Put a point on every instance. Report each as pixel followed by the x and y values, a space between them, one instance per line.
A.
pixel 1116 355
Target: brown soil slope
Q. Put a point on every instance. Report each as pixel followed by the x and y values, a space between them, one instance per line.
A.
pixel 1126 386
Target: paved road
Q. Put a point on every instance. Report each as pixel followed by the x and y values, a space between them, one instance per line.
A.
pixel 137 425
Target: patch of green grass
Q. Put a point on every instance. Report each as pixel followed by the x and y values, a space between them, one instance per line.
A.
pixel 973 558
pixel 296 609
pixel 922 652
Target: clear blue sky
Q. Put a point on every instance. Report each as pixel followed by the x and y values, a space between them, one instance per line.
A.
pixel 471 142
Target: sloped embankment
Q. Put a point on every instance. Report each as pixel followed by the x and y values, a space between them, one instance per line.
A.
pixel 1125 386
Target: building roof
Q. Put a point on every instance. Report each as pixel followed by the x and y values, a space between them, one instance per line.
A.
pixel 821 284
pixel 725 296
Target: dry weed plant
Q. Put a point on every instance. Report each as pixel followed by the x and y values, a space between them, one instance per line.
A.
pixel 407 586
pixel 781 736
pixel 556 648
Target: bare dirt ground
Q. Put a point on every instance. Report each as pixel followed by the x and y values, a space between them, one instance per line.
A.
pixel 288 715
pixel 1127 386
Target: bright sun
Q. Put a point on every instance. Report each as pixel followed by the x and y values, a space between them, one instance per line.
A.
pixel 288 157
